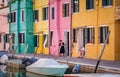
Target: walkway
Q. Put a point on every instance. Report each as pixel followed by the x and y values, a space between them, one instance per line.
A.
pixel 86 64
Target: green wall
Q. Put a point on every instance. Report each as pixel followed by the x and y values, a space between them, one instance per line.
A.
pixel 25 27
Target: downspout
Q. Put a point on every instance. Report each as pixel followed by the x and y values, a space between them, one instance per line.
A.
pixel 70 52
pixel 18 24
pixel 49 27
pixel 97 4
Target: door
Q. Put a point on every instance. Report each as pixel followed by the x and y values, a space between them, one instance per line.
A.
pixel 81 37
pixel 66 41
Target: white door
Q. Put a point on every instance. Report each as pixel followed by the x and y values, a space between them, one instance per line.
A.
pixel 81 37
pixel 66 41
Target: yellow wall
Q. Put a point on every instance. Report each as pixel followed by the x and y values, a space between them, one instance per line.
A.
pixel 106 17
pixel 41 25
pixel 96 17
pixel 85 18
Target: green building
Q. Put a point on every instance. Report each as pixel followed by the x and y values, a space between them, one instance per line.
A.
pixel 21 25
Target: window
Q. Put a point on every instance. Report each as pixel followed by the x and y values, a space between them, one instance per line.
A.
pixel 103 31
pixel 36 15
pixel 45 13
pixel 107 2
pixel 89 4
pixel 51 36
pixel 75 4
pixel 3 1
pixel 45 40
pixel 22 15
pixel 13 17
pixel 21 38
pixel 53 12
pixel 75 33
pixel 66 10
pixel 89 35
pixel 36 40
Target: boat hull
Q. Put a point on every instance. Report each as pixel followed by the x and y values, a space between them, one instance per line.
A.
pixel 47 71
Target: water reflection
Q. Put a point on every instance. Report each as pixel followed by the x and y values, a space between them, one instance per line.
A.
pixel 3 73
pixel 10 72
pixel 28 74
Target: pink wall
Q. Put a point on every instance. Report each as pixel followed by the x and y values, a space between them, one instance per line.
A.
pixel 59 24
pixel 4 26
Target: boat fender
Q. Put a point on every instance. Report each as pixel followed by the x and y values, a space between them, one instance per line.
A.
pixel 33 59
pixel 76 69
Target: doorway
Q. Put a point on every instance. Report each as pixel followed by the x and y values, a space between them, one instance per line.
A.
pixel 81 37
pixel 66 41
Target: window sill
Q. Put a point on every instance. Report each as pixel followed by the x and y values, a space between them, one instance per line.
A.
pixel 36 22
pixel 108 6
pixel 75 12
pixel 66 17
pixel 45 20
pixel 13 22
pixel 21 43
pixel 89 9
pixel 90 44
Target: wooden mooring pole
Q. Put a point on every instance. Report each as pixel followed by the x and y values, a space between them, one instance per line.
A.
pixel 101 53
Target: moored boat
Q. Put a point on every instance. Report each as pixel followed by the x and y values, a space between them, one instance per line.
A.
pixel 47 66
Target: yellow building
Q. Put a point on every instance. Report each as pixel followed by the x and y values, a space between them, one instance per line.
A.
pixel 41 25
pixel 91 21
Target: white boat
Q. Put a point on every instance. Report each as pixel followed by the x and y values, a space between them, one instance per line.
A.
pixel 46 66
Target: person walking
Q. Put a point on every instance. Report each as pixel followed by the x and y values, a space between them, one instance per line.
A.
pixel 62 49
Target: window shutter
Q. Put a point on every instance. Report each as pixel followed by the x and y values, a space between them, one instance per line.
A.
pixel 92 4
pixel 35 40
pixel 51 36
pixel 63 10
pixel 43 13
pixel 86 37
pixel 5 40
pixel 104 2
pixel 67 9
pixel 53 12
pixel 19 37
pixel 110 2
pixel 93 36
pixel 87 4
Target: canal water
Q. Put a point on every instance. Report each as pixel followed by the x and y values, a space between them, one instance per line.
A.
pixel 10 72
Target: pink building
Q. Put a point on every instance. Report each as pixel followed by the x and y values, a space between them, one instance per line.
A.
pixel 59 21
pixel 4 28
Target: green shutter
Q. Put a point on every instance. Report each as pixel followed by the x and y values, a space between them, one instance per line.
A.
pixel 104 2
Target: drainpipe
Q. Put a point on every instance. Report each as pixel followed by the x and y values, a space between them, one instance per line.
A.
pixel 18 24
pixel 70 49
pixel 97 5
pixel 49 26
